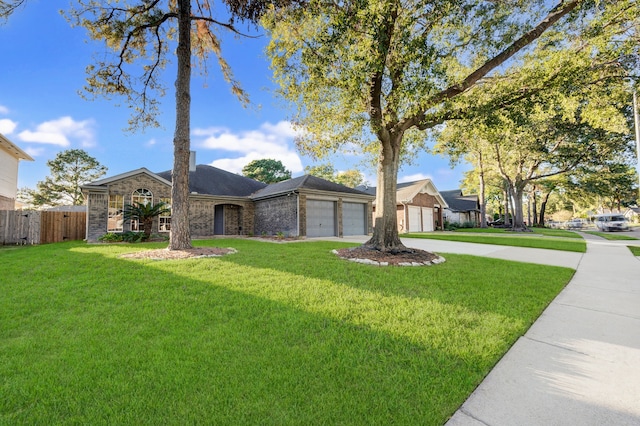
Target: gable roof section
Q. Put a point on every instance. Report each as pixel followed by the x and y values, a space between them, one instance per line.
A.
pixel 208 180
pixel 407 191
pixel 460 203
pixel 102 183
pixel 306 182
pixel 13 149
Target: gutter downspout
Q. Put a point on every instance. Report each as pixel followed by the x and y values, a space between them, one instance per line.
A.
pixel 298 214
pixel 406 218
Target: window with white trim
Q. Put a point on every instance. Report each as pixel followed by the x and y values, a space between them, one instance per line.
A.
pixel 140 196
pixel 116 206
pixel 164 220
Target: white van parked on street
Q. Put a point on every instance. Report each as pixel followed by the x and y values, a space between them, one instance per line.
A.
pixel 611 222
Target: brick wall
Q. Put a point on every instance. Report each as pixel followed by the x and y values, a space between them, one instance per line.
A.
pixel 97 215
pixel 278 215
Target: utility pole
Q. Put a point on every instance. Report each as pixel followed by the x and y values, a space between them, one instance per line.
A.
pixel 636 120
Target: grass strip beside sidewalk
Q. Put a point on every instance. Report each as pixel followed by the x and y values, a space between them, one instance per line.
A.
pixel 530 241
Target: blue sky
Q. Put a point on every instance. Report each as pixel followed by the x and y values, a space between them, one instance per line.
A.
pixel 42 71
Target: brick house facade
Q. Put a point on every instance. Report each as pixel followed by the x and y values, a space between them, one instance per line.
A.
pixel 419 206
pixel 223 203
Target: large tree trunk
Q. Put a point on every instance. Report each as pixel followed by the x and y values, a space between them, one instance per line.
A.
pixel 385 232
pixel 483 204
pixel 180 236
pixel 534 203
pixel 543 207
pixel 507 219
pixel 518 214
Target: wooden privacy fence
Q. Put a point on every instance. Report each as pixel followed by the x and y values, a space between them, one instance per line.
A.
pixel 41 227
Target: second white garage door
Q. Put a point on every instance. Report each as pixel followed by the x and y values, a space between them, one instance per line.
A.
pixel 321 218
pixel 353 219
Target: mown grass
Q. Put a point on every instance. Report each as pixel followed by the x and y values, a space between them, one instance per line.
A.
pixel 277 334
pixel 635 250
pixel 612 236
pixel 536 231
pixel 516 240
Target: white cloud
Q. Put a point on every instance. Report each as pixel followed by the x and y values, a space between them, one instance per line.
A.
pixel 414 177
pixel 34 152
pixel 7 126
pixel 4 109
pixel 60 131
pixel 269 141
pixel 151 142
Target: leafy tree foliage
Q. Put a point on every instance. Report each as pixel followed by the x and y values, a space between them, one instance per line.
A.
pixel 266 170
pixel 380 73
pixel 68 171
pixel 145 213
pixel 7 7
pixel 147 33
pixel 350 178
pixel 611 185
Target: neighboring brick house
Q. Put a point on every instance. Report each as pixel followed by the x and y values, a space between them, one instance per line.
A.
pixel 224 203
pixel 462 208
pixel 419 206
pixel 10 156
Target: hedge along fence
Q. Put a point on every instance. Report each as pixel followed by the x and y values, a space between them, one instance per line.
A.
pixel 41 227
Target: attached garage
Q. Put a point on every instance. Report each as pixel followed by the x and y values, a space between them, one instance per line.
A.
pixel 321 218
pixel 420 219
pixel 354 219
pixel 427 219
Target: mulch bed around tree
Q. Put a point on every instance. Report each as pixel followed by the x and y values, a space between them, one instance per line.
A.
pixel 413 257
pixel 360 254
pixel 165 254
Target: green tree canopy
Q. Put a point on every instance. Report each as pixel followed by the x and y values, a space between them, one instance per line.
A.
pixel 379 73
pixel 266 170
pixel 142 36
pixel 350 178
pixel 68 171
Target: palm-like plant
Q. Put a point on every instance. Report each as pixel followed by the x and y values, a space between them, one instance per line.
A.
pixel 145 213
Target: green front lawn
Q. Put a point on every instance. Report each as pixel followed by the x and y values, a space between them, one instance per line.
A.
pixel 635 250
pixel 536 231
pixel 276 334
pixel 529 240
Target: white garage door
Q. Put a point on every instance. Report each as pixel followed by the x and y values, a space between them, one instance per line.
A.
pixel 353 219
pixel 415 221
pixel 321 218
pixel 427 219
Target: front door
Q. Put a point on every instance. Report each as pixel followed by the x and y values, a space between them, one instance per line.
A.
pixel 218 220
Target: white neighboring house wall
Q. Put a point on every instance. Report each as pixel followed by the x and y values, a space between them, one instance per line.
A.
pixel 10 156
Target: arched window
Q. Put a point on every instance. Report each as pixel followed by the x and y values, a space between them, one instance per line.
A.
pixel 142 196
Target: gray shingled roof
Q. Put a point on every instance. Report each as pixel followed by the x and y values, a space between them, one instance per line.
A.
pixel 304 182
pixel 460 203
pixel 371 190
pixel 208 180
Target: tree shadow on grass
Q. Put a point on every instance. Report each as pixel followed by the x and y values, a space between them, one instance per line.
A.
pixel 97 339
pixel 484 285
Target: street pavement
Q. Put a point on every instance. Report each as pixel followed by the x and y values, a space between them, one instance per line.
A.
pixel 579 364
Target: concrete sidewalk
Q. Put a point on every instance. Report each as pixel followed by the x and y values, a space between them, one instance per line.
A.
pixel 579 364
